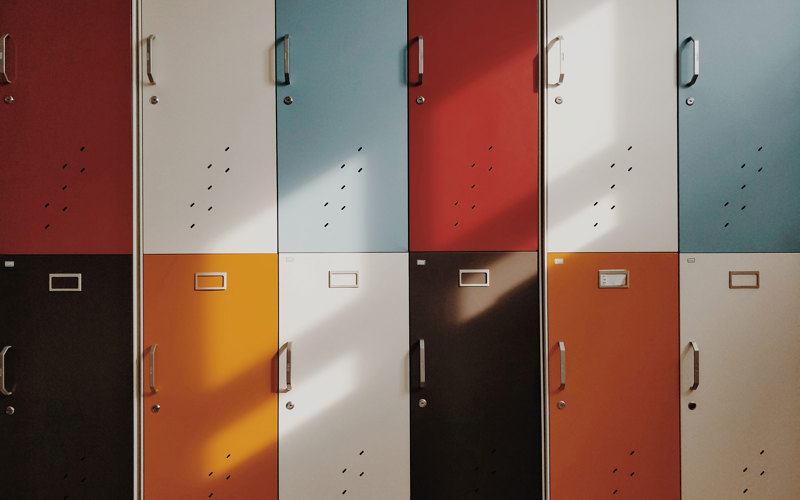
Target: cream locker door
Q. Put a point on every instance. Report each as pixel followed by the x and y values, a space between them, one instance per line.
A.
pixel 343 421
pixel 740 427
pixel 611 126
pixel 208 126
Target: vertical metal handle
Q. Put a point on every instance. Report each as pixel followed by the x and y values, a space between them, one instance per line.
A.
pixel 288 348
pixel 696 351
pixel 3 390
pixel 421 59
pixel 153 368
pixel 561 74
pixel 421 363
pixel 287 80
pixel 3 57
pixel 150 59
pixel 563 351
pixel 696 61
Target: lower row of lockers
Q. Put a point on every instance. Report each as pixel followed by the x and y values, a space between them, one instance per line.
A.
pixel 394 375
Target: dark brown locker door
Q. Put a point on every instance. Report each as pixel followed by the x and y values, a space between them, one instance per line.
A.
pixel 68 321
pixel 476 419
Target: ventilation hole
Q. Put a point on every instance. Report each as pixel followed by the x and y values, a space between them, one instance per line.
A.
pixel 762 473
pixel 209 187
pixel 595 224
pixel 473 186
pixel 342 165
pixel 494 450
pixel 745 490
pixel 64 209
pixel 490 148
pixel 362 452
pixel 743 207
pixel 46 205
pixel 361 474
pixel 743 186
pixel 455 204
pixel 760 169
pixel 612 165
pixel 326 224
pixel 227 477
pixel 65 476
pixel 210 495
pixel 65 497
pixel 614 492
pixel 456 224
pixel 726 204
pixel 595 204
pixel 227 148
pixel 632 473
pixel 65 187
pixel 46 226
pixel 209 208
pixel 83 479
pixel 342 187
pixel 209 165
pixel 209 474
pixel 475 469
pixel 632 452
pixel 477 490
pixel 612 207
pixel 630 168
pixel 343 207
pixel 494 472
pixel 360 148
pixel 83 147
pixel 760 148
pixel 191 227
pixel 83 170
pixel 726 224
pixel 473 207
pixel 613 471
pixel 630 147
pixel 762 452
pixel 744 470
pixel 229 455
pixel 191 205
pixel 360 169
pixel 344 470
pixel 227 170
pixel 345 491
pixel 490 169
pixel 612 186
pixel 64 166
pixel 326 204
pixel 472 166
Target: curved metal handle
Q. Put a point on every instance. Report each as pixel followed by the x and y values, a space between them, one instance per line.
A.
pixel 288 348
pixel 563 350
pixel 150 59
pixel 696 59
pixel 287 80
pixel 153 368
pixel 3 390
pixel 421 363
pixel 696 350
pixel 561 74
pixel 3 57
pixel 421 59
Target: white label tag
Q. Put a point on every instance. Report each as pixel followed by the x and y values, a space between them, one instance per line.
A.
pixel 559 261
pixel 613 278
pixel 342 279
pixel 9 263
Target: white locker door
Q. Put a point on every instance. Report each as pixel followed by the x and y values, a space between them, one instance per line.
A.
pixel 344 424
pixel 740 427
pixel 208 126
pixel 611 126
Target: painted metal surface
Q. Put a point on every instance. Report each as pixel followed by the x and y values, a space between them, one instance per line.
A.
pixel 67 424
pixel 476 419
pixel 616 434
pixel 343 141
pixel 739 144
pixel 208 143
pixel 473 165
pixel 344 428
pixel 65 181
pixel 742 438
pixel 210 430
pixel 611 126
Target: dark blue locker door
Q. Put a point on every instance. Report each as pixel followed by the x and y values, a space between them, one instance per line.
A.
pixel 342 126
pixel 739 126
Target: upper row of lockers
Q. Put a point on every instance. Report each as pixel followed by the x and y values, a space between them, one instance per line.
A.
pixel 387 125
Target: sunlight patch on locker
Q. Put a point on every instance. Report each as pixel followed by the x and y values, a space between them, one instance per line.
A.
pixel 243 438
pixel 579 230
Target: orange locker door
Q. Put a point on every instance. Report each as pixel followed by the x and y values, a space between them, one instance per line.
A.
pixel 210 406
pixel 613 353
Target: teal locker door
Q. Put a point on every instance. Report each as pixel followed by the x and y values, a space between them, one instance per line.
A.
pixel 739 126
pixel 342 126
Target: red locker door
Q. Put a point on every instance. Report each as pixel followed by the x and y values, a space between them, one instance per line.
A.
pixel 473 125
pixel 614 413
pixel 66 178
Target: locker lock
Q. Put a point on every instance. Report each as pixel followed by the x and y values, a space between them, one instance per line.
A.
pixel 10 410
pixel 690 101
pixel 422 403
pixel 154 99
pixel 561 405
pixel 155 408
pixel 288 100
pixel 559 100
pixel 8 99
pixel 290 406
pixel 420 100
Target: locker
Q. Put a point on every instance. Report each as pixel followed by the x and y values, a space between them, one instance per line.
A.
pixel 66 374
pixel 65 85
pixel 343 376
pixel 611 126
pixel 342 126
pixel 210 406
pixel 738 146
pixel 740 399
pixel 475 376
pixel 473 125
pixel 208 127
pixel 613 365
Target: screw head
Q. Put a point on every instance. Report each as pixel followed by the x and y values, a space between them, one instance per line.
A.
pixel 561 405
pixel 289 405
pixel 422 403
pixel 10 410
pixel 155 408
pixel 8 99
pixel 559 100
pixel 154 100
pixel 288 100
pixel 690 101
pixel 420 100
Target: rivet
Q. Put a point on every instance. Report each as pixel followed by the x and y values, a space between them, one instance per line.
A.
pixel 420 100
pixel 8 99
pixel 154 99
pixel 288 100
pixel 690 101
pixel 559 100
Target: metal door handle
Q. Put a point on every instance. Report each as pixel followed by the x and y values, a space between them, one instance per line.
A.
pixel 563 351
pixel 696 351
pixel 696 60
pixel 421 363
pixel 421 48
pixel 3 73
pixel 288 348
pixel 153 368
pixel 287 80
pixel 3 390
pixel 561 74
pixel 150 59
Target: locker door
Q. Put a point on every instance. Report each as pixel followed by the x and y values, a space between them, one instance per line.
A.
pixel 208 126
pixel 611 126
pixel 67 373
pixel 210 414
pixel 739 426
pixel 65 83
pixel 475 384
pixel 342 122
pixel 739 137
pixel 474 125
pixel 614 429
pixel 343 372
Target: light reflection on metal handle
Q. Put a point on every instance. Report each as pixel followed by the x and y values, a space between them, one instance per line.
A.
pixel 3 58
pixel 696 61
pixel 153 368
pixel 563 351
pixel 3 389
pixel 288 348
pixel 286 59
pixel 421 59
pixel 150 59
pixel 696 351
pixel 561 74
pixel 421 363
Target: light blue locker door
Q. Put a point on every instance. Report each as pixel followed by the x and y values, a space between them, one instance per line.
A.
pixel 342 126
pixel 739 125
